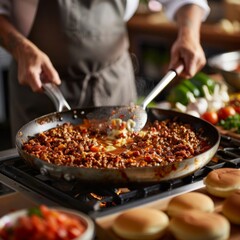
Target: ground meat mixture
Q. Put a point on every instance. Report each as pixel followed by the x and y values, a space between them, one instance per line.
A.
pixel 158 144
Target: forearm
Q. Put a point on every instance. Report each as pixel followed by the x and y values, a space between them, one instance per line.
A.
pixel 187 48
pixel 11 39
pixel 34 66
pixel 189 19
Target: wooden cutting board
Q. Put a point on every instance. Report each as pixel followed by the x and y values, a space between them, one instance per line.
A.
pixel 228 133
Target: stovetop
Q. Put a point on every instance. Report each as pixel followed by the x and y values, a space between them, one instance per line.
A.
pixel 100 200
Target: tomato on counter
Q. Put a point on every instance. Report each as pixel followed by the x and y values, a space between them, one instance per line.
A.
pixel 236 104
pixel 226 112
pixel 211 117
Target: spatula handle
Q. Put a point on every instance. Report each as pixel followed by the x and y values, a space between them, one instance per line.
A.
pixel 171 74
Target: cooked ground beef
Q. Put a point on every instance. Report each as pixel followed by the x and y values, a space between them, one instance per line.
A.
pixel 158 144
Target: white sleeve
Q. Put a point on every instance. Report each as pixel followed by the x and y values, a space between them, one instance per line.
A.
pixel 172 6
pixel 5 7
pixel 131 7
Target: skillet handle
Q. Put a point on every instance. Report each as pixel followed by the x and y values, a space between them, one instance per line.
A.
pixel 54 93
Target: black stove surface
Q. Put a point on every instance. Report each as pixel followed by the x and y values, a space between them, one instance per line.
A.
pixel 100 200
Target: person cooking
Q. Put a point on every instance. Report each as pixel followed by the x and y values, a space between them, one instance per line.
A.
pixel 82 46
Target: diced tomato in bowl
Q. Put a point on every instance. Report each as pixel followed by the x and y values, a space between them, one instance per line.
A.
pixel 46 223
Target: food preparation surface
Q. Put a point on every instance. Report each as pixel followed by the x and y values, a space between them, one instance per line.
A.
pixel 228 133
pixel 15 197
pixel 104 224
pixel 14 201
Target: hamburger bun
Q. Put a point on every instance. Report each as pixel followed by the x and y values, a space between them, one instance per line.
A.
pixel 188 201
pixel 141 223
pixel 198 225
pixel 222 182
pixel 231 207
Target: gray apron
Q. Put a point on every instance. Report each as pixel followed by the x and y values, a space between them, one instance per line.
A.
pixel 87 42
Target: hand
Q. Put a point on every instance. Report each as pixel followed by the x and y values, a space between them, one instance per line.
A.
pixel 35 67
pixel 187 50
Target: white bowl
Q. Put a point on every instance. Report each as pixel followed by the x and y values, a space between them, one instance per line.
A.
pixel 88 234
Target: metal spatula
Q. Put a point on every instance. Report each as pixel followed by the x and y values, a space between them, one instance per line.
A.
pixel 138 112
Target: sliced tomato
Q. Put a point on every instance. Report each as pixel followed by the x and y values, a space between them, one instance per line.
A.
pixel 226 112
pixel 210 116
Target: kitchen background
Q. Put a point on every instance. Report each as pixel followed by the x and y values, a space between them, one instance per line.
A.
pixel 150 34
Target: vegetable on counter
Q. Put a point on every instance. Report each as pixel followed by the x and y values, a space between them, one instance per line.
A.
pixel 203 97
pixel 231 123
pixel 200 96
pixel 201 79
pixel 218 99
pixel 181 93
pixel 225 112
pixel 195 107
pixel 229 116
pixel 191 87
pixel 226 117
pixel 211 103
pixel 211 117
pixel 235 103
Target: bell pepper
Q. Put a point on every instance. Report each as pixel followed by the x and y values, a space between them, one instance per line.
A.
pixel 201 79
pixel 192 88
pixel 179 94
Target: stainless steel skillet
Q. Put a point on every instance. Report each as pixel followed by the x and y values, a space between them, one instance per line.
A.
pixel 115 176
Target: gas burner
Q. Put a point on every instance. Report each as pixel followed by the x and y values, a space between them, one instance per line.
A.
pixel 100 200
